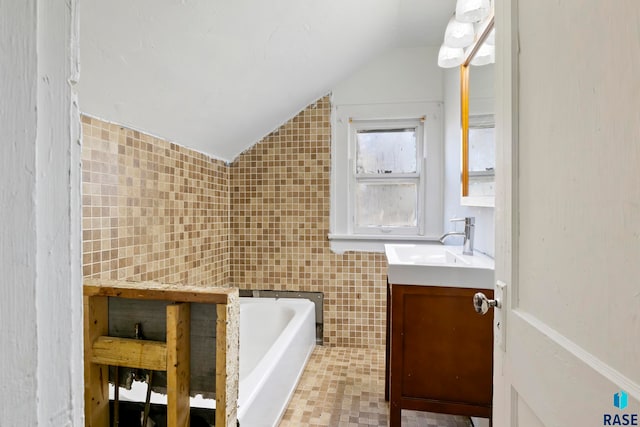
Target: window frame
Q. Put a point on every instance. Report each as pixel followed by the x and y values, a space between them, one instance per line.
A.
pixel 357 125
pixel 345 118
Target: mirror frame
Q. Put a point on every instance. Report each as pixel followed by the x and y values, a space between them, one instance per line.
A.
pixel 467 200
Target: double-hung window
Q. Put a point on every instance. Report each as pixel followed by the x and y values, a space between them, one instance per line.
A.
pixel 386 159
pixel 386 182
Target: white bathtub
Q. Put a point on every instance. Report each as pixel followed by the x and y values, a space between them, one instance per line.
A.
pixel 276 340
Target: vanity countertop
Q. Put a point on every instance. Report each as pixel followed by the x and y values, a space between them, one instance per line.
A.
pixel 438 265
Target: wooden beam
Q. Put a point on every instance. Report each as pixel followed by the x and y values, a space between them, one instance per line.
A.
pixel 157 291
pixel 178 360
pixel 221 365
pixel 227 366
pixel 96 376
pixel 132 353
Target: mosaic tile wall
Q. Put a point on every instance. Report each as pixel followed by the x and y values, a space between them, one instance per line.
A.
pixel 279 226
pixel 152 210
pixel 157 211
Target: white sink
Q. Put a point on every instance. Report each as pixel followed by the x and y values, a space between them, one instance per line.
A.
pixel 438 265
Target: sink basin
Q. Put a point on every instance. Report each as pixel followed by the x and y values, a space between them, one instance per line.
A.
pixel 423 255
pixel 438 265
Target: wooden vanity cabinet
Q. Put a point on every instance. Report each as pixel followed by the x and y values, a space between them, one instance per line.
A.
pixel 439 352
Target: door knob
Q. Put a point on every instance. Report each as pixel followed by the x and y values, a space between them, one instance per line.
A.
pixel 482 304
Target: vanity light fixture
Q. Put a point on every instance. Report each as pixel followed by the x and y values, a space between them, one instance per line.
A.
pixel 470 15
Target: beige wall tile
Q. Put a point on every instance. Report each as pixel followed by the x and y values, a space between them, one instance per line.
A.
pixel 280 221
pixel 153 210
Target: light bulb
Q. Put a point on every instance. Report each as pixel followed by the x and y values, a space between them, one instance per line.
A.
pixel 485 55
pixel 491 38
pixel 450 57
pixel 472 10
pixel 458 34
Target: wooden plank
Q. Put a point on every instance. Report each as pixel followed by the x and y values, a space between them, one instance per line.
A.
pixel 227 366
pixel 132 353
pixel 178 369
pixel 96 377
pixel 157 291
pixel 221 366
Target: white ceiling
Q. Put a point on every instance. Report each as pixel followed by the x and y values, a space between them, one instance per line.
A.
pixel 218 75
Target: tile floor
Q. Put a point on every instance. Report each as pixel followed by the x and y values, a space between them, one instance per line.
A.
pixel 345 387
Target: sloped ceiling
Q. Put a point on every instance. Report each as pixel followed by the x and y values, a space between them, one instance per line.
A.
pixel 218 75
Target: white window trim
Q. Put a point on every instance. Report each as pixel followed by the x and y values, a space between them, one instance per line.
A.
pixel 341 236
pixel 356 125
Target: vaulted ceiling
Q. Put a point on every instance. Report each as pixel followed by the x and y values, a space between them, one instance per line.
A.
pixel 218 75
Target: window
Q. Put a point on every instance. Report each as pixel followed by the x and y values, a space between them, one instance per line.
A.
pixel 386 175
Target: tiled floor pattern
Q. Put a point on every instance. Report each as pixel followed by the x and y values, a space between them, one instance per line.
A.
pixel 345 387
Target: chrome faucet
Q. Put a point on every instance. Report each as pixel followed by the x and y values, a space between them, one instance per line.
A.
pixel 469 226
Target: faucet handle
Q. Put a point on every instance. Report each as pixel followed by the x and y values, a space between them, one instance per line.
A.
pixel 470 220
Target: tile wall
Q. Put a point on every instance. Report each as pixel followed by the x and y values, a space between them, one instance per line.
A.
pixel 152 210
pixel 279 226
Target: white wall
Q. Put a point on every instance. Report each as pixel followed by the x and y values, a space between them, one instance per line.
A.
pixel 398 75
pixel 41 380
pixel 485 226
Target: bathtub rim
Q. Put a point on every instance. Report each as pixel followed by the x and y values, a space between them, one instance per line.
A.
pixel 251 386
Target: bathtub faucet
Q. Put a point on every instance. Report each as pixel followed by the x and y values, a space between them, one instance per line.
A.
pixel 469 226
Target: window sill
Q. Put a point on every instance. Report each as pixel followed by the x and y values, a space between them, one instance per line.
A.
pixel 481 201
pixel 341 243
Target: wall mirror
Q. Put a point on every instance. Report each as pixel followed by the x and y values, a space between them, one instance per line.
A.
pixel 477 120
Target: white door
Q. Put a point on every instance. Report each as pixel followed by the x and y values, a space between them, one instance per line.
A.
pixel 568 212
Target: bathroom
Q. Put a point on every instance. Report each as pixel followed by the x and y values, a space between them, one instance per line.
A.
pixel 154 210
pixel 41 257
